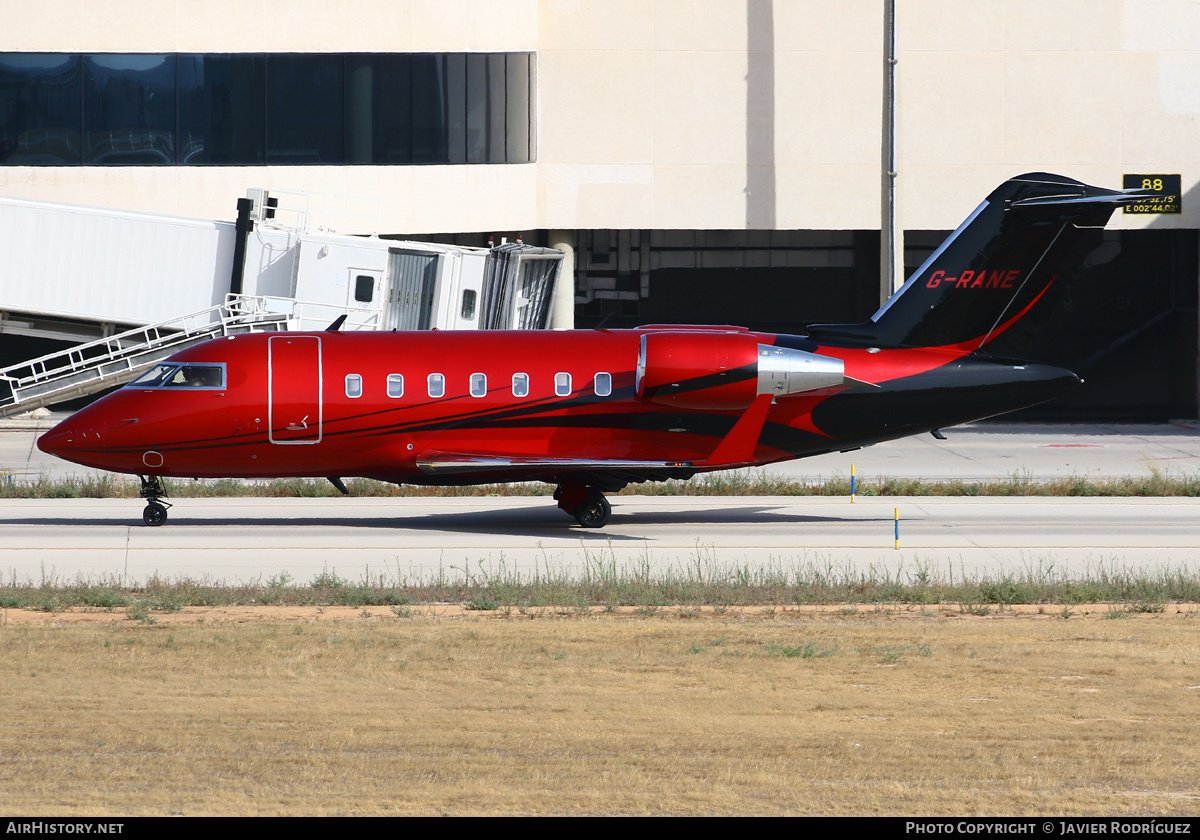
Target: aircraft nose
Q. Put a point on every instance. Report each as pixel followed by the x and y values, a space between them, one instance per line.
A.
pixel 71 435
pixel 53 441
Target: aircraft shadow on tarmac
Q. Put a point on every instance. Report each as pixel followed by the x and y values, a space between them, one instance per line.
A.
pixel 540 522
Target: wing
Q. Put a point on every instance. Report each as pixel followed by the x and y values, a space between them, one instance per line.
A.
pixel 736 449
pixel 454 463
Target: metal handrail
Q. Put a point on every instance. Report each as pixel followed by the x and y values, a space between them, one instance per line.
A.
pixel 110 348
pixel 125 344
pixel 236 310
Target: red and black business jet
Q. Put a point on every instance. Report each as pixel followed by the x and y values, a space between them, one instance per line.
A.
pixel 594 410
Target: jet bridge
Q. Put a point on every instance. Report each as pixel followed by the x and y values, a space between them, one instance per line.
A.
pixel 136 287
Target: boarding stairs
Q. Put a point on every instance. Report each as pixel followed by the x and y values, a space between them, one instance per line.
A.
pixel 107 362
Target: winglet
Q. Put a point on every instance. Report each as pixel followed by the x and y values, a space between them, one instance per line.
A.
pixel 737 447
pixel 337 325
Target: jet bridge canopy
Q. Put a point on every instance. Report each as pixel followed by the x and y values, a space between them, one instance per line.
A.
pixel 519 287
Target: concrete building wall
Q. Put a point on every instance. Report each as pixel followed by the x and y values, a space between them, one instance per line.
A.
pixel 698 114
pixel 265 26
pixel 1092 89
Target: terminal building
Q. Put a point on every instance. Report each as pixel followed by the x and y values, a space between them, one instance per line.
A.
pixel 768 163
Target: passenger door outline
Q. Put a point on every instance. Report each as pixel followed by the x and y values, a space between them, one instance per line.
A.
pixel 292 400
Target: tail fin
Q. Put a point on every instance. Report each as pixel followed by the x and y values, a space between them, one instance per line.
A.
pixel 1032 232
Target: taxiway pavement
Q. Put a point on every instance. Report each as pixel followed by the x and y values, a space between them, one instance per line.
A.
pixel 413 539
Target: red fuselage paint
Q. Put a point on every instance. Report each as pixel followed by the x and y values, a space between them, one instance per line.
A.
pixel 289 405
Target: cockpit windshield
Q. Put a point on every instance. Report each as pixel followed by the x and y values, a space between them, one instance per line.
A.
pixel 207 376
pixel 154 377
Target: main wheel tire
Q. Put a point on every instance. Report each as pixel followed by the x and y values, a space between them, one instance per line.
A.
pixel 154 514
pixel 594 512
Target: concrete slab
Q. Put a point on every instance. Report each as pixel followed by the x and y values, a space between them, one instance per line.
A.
pixel 999 450
pixel 238 540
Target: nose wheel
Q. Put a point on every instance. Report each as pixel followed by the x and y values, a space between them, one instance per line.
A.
pixel 155 512
pixel 586 504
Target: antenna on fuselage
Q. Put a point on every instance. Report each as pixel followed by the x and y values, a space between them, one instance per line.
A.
pixel 337 325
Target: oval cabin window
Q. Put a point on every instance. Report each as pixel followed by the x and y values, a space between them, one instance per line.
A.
pixel 520 385
pixel 478 385
pixel 437 385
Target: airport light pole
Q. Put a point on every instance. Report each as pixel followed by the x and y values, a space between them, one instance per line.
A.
pixel 891 252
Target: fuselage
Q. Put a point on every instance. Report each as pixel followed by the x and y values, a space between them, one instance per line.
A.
pixel 378 404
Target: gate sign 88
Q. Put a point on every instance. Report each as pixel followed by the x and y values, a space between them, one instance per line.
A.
pixel 1168 200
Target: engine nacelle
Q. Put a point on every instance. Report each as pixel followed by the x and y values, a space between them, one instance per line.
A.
pixel 725 371
pixel 707 370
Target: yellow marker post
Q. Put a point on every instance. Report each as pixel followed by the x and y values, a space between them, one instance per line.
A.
pixel 851 484
pixel 897 529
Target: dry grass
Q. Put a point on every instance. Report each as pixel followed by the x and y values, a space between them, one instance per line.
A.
pixel 420 710
pixel 737 483
pixel 606 582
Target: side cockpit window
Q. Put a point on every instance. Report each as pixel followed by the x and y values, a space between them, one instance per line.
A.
pixel 201 376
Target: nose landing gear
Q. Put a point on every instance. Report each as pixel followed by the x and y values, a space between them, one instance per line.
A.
pixel 155 512
pixel 586 504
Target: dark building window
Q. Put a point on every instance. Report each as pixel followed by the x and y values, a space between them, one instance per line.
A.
pixel 222 109
pixel 128 109
pixel 305 109
pixel 456 108
pixel 40 119
pixel 477 110
pixel 277 108
pixel 430 109
pixel 379 109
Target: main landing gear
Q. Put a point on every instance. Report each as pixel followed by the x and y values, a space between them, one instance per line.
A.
pixel 586 504
pixel 155 513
